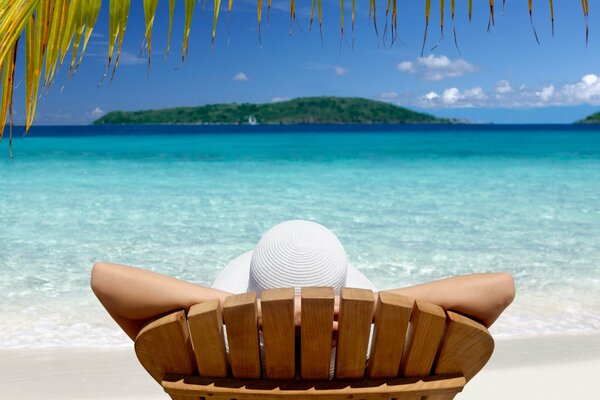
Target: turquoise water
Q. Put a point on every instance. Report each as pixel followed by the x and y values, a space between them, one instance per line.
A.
pixel 409 206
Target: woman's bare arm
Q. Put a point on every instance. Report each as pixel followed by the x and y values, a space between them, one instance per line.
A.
pixel 133 296
pixel 480 296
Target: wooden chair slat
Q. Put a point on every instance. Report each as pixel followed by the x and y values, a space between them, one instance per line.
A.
pixel 277 308
pixel 391 323
pixel 427 327
pixel 164 346
pixel 466 348
pixel 426 331
pixel 240 315
pixel 354 327
pixel 316 331
pixel 206 330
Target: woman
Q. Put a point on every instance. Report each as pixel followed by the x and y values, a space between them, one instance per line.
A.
pixel 292 254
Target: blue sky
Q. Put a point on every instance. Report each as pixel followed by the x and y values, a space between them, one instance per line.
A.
pixel 503 76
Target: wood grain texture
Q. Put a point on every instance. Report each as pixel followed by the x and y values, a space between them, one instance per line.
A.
pixel 427 328
pixel 279 335
pixel 466 348
pixel 391 319
pixel 206 330
pixel 354 327
pixel 240 315
pixel 164 346
pixel 428 323
pixel 316 331
pixel 260 389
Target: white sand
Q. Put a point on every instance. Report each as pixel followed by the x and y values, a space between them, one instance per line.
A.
pixel 548 368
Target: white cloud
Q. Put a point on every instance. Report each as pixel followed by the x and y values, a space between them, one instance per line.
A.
pixel 454 98
pixel 340 71
pixel 278 99
pixel 96 112
pixel 587 90
pixel 431 96
pixel 503 87
pixel 406 66
pixel 584 91
pixel 435 68
pixel 546 93
pixel 503 95
pixel 240 76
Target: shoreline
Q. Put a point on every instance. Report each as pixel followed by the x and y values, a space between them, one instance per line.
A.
pixel 537 367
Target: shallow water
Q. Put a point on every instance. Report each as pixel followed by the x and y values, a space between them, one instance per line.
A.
pixel 409 206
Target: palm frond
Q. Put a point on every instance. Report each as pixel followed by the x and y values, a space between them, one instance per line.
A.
pixel 531 21
pixel 427 13
pixel 552 15
pixel 149 13
pixel 585 7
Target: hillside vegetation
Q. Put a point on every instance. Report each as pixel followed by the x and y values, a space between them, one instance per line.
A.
pixel 308 110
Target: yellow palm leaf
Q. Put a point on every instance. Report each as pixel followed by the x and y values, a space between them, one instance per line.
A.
pixel 491 19
pixel 452 7
pixel 585 7
pixel 217 7
pixel 124 14
pixel 470 6
pixel 342 16
pixel 149 13
pixel 8 77
pixel 427 13
pixel 189 12
pixel 442 17
pixel 320 15
pixel 292 13
pixel 531 21
pixel 552 15
pixel 91 11
pixel 171 13
pixel 78 31
pixel 374 5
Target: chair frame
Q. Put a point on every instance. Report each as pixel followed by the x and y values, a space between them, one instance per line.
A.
pixel 416 350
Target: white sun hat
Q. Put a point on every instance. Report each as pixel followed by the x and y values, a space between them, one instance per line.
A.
pixel 294 254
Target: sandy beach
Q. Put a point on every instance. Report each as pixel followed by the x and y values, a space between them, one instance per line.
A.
pixel 549 368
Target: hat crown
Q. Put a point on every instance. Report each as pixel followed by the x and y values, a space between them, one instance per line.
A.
pixel 298 253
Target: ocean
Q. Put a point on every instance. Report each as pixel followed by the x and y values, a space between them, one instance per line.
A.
pixel 409 203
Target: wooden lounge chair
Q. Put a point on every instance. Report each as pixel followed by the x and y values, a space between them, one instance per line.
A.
pixel 416 351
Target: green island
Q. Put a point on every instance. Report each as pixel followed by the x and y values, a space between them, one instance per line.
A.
pixel 590 119
pixel 306 110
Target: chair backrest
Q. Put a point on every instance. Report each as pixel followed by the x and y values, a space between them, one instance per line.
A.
pixel 415 349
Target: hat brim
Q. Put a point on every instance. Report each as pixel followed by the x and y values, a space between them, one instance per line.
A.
pixel 234 278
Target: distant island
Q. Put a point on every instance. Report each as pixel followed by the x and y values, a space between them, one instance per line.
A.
pixel 590 119
pixel 306 110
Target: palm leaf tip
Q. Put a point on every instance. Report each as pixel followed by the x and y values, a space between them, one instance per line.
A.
pixel 189 12
pixel 427 13
pixel 531 21
pixel 217 7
